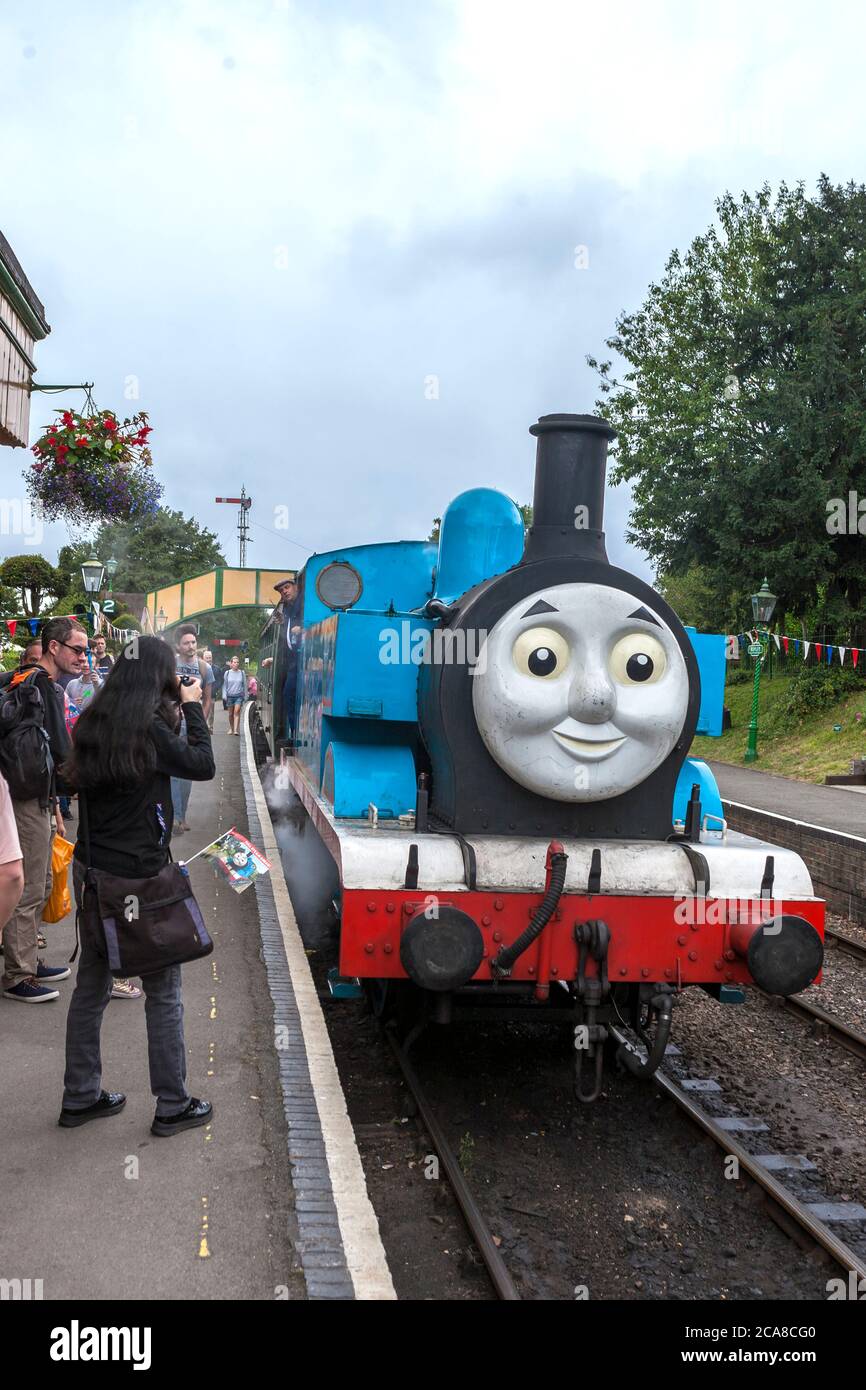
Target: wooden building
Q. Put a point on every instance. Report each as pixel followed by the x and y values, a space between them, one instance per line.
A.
pixel 22 325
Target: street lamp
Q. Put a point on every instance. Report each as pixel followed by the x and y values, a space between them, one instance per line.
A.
pixel 763 604
pixel 161 620
pixel 92 572
pixel 111 570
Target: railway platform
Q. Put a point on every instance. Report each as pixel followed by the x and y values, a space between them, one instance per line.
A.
pixel 831 808
pixel 269 1200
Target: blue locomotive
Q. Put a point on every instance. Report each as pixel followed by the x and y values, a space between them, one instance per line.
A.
pixel 491 736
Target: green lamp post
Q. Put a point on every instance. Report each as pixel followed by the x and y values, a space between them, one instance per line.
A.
pixel 763 604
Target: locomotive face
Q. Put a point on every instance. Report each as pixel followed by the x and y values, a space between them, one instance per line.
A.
pixel 580 692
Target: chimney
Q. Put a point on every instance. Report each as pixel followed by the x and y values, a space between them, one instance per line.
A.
pixel 568 506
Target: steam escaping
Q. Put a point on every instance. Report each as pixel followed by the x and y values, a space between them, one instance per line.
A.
pixel 310 872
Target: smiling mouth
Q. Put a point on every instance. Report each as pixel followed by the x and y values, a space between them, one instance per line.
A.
pixel 587 748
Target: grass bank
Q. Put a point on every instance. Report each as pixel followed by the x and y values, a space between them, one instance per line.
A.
pixel 808 749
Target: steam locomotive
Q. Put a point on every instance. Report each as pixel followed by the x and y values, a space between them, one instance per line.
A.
pixel 491 736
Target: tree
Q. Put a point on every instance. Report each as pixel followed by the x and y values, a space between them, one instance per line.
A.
pixel 155 551
pixel 741 411
pixel 697 599
pixel 32 579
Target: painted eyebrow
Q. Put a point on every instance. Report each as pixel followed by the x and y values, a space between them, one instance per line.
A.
pixel 540 607
pixel 645 616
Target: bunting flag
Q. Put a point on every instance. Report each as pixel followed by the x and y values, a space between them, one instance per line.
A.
pixel 11 623
pixel 786 645
pixel 33 624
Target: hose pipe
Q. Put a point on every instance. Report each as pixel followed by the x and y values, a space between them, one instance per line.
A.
pixel 557 863
pixel 656 1052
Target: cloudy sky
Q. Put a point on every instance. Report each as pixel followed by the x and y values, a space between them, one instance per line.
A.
pixel 332 244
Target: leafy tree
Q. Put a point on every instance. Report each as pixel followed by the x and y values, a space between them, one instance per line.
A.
pixel 698 600
pixel 32 580
pixel 741 407
pixel 152 552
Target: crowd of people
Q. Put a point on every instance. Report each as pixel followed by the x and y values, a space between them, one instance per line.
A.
pixel 117 741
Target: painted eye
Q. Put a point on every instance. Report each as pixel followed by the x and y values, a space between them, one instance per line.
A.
pixel 638 659
pixel 540 652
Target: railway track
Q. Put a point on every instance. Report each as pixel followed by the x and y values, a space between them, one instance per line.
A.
pixel 849 944
pixel 481 1233
pixel 824 1023
pixel 785 1200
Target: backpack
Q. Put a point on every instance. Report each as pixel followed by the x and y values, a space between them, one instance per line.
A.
pixel 25 751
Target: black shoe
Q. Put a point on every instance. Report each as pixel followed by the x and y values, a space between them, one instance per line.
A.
pixel 198 1112
pixel 109 1103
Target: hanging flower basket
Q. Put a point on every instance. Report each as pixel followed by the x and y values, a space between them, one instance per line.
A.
pixel 94 467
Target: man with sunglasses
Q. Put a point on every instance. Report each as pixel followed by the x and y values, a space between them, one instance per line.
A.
pixel 26 978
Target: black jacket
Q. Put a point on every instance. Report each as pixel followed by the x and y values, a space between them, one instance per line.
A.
pixel 130 831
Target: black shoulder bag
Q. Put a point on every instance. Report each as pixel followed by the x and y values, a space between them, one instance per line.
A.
pixel 140 925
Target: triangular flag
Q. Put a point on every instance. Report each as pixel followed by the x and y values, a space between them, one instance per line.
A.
pixel 855 652
pixel 776 640
pixel 11 623
pixel 842 651
pixel 806 646
pixel 818 646
pixel 797 646
pixel 785 644
pixel 33 624
pixel 829 654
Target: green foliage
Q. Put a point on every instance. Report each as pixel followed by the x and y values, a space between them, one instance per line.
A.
pixel 698 599
pixel 738 675
pixel 155 551
pixel 32 580
pixel 815 688
pixel 741 411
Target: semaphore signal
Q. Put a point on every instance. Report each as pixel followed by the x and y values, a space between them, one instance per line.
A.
pixel 244 503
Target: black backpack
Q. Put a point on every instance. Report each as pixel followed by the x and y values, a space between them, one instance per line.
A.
pixel 25 751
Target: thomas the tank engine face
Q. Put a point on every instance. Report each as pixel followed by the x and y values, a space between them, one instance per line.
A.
pixel 580 692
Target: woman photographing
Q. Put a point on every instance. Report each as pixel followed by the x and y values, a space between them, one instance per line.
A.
pixel 127 748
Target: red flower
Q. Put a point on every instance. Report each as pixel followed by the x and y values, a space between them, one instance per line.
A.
pixel 110 424
pixel 66 417
pixel 81 442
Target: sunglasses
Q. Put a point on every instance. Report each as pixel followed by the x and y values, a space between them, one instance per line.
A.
pixel 79 651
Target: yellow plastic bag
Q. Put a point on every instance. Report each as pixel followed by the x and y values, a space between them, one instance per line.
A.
pixel 60 901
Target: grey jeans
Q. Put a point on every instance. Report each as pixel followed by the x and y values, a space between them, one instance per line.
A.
pixel 163 1011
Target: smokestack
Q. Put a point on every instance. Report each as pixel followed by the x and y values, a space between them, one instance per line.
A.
pixel 568 506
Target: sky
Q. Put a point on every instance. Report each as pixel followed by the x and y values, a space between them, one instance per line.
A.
pixel 345 253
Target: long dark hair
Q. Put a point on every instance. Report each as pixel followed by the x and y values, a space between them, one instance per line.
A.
pixel 111 742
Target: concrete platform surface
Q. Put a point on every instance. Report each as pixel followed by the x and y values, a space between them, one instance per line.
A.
pixel 110 1211
pixel 831 807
